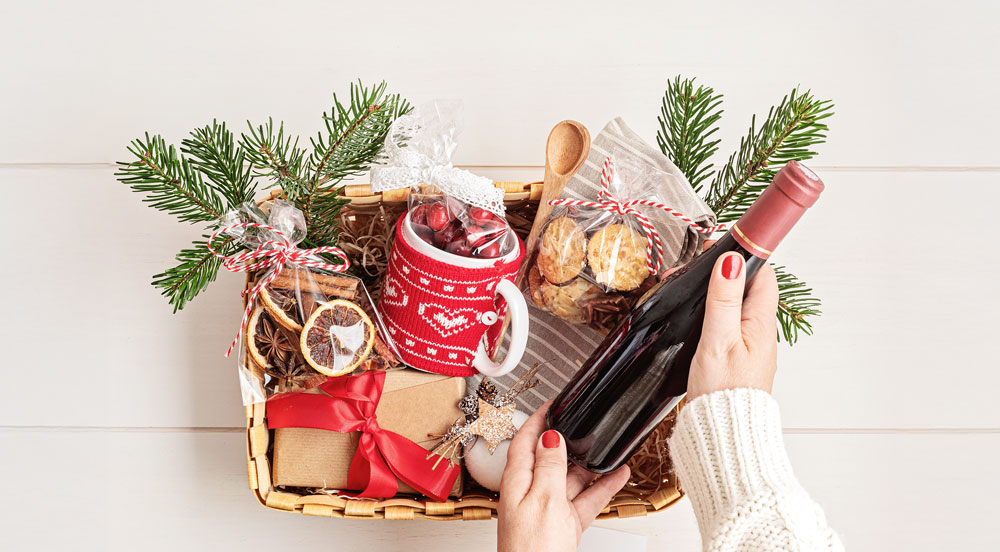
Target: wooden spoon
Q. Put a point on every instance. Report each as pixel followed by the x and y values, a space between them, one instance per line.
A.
pixel 565 151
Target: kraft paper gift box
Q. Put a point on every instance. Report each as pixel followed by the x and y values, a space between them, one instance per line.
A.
pixel 413 404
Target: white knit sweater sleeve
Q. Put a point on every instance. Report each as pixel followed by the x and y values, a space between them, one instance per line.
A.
pixel 730 459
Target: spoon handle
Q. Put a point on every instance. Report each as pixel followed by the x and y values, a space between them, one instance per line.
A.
pixel 552 189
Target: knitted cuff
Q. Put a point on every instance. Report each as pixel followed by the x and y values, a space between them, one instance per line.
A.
pixel 726 448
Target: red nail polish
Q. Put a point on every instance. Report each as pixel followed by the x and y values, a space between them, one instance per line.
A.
pixel 550 439
pixel 732 266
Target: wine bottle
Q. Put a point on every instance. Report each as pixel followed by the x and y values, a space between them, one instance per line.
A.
pixel 640 372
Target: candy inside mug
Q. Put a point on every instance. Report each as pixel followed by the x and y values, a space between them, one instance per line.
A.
pixel 465 230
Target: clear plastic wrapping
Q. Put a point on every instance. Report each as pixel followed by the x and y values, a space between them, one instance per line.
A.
pixel 452 209
pixel 595 258
pixel 306 324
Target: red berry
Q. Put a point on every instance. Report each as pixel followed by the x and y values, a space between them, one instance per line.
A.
pixel 447 234
pixel 490 251
pixel 480 215
pixel 437 216
pixel 476 236
pixel 419 214
pixel 494 225
pixel 423 232
pixel 459 247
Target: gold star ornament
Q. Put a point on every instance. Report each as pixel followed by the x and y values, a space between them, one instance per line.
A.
pixel 494 425
pixel 488 414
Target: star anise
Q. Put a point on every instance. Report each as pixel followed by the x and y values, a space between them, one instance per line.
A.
pixel 293 374
pixel 273 340
pixel 286 300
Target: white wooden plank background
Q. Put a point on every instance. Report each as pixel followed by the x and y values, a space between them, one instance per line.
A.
pixel 119 424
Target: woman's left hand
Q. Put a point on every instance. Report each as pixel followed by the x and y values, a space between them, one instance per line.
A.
pixel 543 505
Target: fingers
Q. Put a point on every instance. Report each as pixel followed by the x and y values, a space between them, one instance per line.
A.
pixel 759 307
pixel 517 475
pixel 577 480
pixel 590 502
pixel 724 305
pixel 549 478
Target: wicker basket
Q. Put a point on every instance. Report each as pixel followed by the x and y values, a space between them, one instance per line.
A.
pixel 478 504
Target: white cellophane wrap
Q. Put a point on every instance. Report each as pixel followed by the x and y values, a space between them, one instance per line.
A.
pixel 418 151
pixel 307 282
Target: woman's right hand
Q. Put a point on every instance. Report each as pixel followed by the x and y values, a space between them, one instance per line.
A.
pixel 738 346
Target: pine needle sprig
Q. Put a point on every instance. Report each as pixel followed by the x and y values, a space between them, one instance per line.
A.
pixel 213 174
pixel 688 117
pixel 353 136
pixel 796 305
pixel 788 133
pixel 215 153
pixel 170 182
pixel 356 132
pixel 197 268
pixel 275 155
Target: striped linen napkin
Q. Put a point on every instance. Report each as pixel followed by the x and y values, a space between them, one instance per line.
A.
pixel 562 347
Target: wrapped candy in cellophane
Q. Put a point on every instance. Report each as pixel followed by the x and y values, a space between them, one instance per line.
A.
pixel 305 319
pixel 452 209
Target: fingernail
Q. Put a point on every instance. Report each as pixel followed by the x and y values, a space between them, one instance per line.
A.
pixel 550 439
pixel 732 266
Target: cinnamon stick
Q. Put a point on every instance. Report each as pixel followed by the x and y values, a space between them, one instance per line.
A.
pixel 305 280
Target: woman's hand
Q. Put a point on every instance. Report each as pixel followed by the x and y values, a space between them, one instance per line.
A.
pixel 543 506
pixel 738 346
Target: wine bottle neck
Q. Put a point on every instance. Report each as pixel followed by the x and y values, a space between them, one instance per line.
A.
pixel 795 188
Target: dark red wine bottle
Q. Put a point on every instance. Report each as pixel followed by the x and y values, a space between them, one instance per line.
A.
pixel 640 372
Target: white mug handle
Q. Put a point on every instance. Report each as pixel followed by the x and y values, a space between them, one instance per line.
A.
pixel 518 334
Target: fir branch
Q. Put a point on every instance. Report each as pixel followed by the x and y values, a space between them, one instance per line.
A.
pixel 788 133
pixel 354 136
pixel 197 268
pixel 688 118
pixel 170 181
pixel 216 155
pixel 796 306
pixel 355 133
pixel 214 174
pixel 275 155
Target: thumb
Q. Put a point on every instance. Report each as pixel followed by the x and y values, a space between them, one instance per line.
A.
pixel 549 477
pixel 724 305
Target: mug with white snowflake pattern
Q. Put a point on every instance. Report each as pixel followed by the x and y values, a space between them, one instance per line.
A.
pixel 445 312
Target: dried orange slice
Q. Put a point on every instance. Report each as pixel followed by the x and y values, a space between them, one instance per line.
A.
pixel 287 306
pixel 337 337
pixel 268 342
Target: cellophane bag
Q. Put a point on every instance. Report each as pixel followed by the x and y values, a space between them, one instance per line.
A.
pixel 593 260
pixel 452 209
pixel 308 324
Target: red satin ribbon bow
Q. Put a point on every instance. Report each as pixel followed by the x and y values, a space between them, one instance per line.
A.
pixel 382 456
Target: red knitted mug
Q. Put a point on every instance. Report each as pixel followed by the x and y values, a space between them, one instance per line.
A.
pixel 445 312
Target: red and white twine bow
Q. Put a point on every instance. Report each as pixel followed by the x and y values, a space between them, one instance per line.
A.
pixel 272 253
pixel 611 204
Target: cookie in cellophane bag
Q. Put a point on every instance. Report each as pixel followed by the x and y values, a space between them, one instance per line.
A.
pixel 596 258
pixel 589 267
